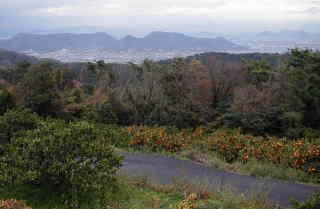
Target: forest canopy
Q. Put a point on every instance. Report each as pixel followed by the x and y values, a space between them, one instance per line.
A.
pixel 263 94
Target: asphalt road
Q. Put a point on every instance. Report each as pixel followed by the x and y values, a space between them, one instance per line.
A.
pixel 163 170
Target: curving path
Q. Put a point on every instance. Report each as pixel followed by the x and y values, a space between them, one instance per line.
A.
pixel 163 170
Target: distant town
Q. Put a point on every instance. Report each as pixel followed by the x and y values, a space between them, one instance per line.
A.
pixel 277 46
pixel 109 56
pixel 156 45
pixel 137 56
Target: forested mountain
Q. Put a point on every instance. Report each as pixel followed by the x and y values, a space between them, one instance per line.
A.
pixel 176 41
pixel 153 41
pixel 53 42
pixel 9 58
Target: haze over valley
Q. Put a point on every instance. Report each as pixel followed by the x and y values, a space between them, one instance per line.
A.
pixel 70 47
pixel 88 47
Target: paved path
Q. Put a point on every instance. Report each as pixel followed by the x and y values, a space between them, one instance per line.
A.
pixel 163 170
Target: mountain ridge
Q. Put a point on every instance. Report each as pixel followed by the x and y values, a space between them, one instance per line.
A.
pixel 10 58
pixel 156 40
pixel 289 35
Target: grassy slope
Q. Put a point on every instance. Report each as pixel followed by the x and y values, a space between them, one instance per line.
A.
pixel 141 194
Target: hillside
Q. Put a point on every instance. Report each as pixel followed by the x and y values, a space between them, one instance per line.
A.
pixel 153 41
pixel 176 41
pixel 53 42
pixel 272 59
pixel 234 119
pixel 9 58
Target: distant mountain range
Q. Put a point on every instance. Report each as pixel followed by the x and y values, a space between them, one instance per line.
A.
pixel 154 41
pixel 288 35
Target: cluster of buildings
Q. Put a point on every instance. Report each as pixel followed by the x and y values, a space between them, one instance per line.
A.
pixel 138 56
pixel 90 55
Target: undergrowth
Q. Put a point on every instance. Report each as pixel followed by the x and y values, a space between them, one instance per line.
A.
pixel 230 150
pixel 140 193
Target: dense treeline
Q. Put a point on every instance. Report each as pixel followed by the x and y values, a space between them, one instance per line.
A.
pixel 273 59
pixel 278 95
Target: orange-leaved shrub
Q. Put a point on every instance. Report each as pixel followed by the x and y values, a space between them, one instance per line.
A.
pixel 230 145
pixel 156 138
pixel 234 146
pixel 13 204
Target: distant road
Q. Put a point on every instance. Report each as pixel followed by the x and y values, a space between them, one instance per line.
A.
pixel 161 169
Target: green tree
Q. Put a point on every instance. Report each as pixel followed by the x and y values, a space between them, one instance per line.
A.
pixel 38 90
pixel 178 84
pixel 303 71
pixel 259 72
pixel 5 101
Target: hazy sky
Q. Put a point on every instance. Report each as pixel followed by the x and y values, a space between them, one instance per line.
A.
pixel 223 16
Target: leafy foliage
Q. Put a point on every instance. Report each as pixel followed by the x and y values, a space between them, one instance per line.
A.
pixel 6 101
pixel 312 203
pixel 303 71
pixel 258 122
pixel 230 145
pixel 264 94
pixel 16 121
pixel 38 90
pixel 13 204
pixel 71 159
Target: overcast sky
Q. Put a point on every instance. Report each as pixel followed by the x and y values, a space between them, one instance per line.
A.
pixel 222 16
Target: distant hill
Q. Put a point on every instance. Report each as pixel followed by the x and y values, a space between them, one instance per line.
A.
pixel 53 42
pixel 9 58
pixel 153 41
pixel 176 41
pixel 274 60
pixel 288 35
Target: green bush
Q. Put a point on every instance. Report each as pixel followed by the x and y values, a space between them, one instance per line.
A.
pixel 102 113
pixel 312 203
pixel 269 122
pixel 71 159
pixel 16 121
pixel 116 134
pixel 5 101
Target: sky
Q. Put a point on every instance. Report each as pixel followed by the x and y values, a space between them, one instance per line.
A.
pixel 143 16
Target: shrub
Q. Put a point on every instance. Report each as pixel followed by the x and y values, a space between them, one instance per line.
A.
pixel 312 203
pixel 16 121
pixel 6 101
pixel 257 123
pixel 71 159
pixel 116 134
pixel 234 146
pixel 189 202
pixel 102 113
pixel 155 139
pixel 13 204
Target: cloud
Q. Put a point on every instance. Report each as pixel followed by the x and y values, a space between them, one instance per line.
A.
pixel 127 7
pixel 312 10
pixel 160 13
